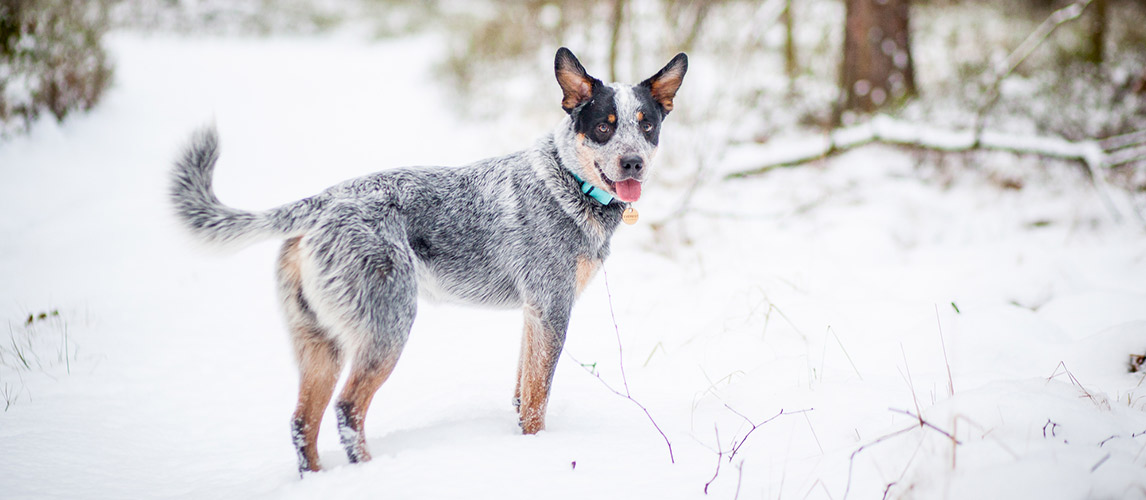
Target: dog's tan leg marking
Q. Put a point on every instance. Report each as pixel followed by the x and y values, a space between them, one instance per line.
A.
pixel 319 360
pixel 586 269
pixel 319 367
pixel 520 370
pixel 537 361
pixel 364 380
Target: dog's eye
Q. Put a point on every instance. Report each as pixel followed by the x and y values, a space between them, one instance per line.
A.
pixel 647 126
pixel 603 128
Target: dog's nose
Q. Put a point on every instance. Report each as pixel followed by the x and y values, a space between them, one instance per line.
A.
pixel 632 164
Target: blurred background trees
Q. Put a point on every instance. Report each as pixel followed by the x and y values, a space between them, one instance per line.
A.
pixel 759 68
pixel 51 59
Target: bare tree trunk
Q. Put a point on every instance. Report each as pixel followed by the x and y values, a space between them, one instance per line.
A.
pixel 1097 29
pixel 790 67
pixel 698 18
pixel 877 68
pixel 614 41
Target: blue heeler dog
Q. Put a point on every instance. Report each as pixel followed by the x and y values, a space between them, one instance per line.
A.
pixel 527 230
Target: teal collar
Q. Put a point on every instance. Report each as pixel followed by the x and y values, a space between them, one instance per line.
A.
pixel 593 191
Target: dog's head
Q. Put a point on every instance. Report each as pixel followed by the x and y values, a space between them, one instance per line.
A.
pixel 615 128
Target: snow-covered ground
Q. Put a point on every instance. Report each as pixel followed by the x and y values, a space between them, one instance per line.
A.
pixel 853 295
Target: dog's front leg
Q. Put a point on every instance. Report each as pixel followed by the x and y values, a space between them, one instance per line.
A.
pixel 541 344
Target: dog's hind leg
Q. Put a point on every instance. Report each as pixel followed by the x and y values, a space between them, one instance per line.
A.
pixel 366 270
pixel 318 356
pixel 366 376
pixel 319 366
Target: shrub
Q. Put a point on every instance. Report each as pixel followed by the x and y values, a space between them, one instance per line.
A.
pixel 51 59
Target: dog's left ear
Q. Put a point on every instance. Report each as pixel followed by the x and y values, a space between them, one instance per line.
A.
pixel 575 82
pixel 664 84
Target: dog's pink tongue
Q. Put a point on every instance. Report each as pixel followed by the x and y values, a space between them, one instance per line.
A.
pixel 629 190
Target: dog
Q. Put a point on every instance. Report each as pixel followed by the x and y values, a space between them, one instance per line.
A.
pixel 527 230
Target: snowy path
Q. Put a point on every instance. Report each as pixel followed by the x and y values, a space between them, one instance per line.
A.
pixel 813 288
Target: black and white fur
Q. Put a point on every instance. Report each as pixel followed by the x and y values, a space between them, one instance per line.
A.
pixel 511 231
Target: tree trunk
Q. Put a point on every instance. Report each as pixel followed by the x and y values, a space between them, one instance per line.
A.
pixel 790 67
pixel 1097 33
pixel 615 38
pixel 877 69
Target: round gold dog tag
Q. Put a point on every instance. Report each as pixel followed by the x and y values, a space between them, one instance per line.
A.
pixel 630 216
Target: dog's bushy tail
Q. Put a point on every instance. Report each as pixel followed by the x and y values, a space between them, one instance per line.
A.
pixel 208 219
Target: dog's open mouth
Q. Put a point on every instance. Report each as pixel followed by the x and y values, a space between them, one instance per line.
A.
pixel 628 190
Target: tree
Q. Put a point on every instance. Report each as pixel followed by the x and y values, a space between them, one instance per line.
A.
pixel 877 67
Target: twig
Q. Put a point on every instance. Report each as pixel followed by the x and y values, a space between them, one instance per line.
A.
pixel 661 346
pixel 617 331
pixel 1075 381
pixel 924 423
pixel 719 456
pixel 737 444
pixel 627 394
pixel 630 398
pixel 910 383
pixel 888 488
pixel 943 344
pixel 851 460
pixel 1116 142
pixel 814 435
pixel 1099 464
pixel 846 355
pixel 820 482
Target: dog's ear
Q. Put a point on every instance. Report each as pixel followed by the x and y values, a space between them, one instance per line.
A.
pixel 664 84
pixel 576 84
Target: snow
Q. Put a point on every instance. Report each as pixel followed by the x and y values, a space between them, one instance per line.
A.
pixel 856 289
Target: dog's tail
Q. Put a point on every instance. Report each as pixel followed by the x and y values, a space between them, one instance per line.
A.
pixel 210 220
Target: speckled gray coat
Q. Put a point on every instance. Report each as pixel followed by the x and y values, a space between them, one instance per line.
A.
pixel 511 231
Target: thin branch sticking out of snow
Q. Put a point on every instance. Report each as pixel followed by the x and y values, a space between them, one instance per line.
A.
pixel 624 380
pixel 885 437
pixel 736 444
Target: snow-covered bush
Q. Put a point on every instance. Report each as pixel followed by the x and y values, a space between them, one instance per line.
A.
pixel 51 59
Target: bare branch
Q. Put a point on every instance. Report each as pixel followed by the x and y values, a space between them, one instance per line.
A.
pixel 620 352
pixel 852 458
pixel 1020 54
pixel 943 344
pixel 924 423
pixel 719 455
pixel 737 444
pixel 885 130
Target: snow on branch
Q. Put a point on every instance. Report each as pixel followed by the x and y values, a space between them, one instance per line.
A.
pixel 1097 156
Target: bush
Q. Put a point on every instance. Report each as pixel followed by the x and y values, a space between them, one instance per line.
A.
pixel 51 59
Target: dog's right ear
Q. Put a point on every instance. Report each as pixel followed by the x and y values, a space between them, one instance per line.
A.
pixel 576 84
